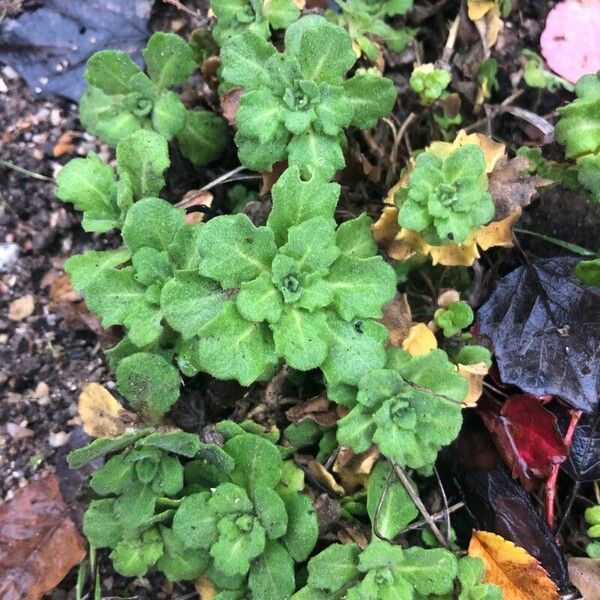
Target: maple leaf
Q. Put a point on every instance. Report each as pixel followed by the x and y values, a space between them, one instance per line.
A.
pixel 512 568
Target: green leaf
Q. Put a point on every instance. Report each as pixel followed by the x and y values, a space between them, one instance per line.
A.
pixel 144 156
pixel 371 97
pixel 82 456
pixel 301 338
pixel 189 301
pixel 271 575
pixel 243 60
pixel 176 442
pixel 112 477
pixel 296 200
pixel 429 571
pixel 106 117
pixel 233 249
pixel 169 115
pixel 334 568
pixel 135 505
pixel 397 509
pixel 169 59
pixel 325 53
pixel 83 268
pixel 194 523
pixel 261 157
pixel 380 554
pixel 177 563
pixel 281 13
pixel 294 33
pixel 203 137
pixel 355 349
pixel 110 71
pixel 453 319
pixel 149 383
pixel 303 530
pixel 271 511
pixel 90 186
pixel 100 526
pixel 354 237
pixel 333 111
pixel 230 499
pixel 259 300
pixel 312 244
pixel 356 429
pixel 316 154
pixel 588 272
pixel 361 286
pixel 259 115
pixel 258 463
pixel 151 266
pixel 464 163
pixel 233 348
pixel 152 223
pixel 133 558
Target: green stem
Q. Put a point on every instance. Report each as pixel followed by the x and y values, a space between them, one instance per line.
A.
pixel 566 245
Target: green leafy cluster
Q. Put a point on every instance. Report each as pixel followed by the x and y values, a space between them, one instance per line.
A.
pixel 233 513
pixel 121 99
pixel 386 572
pixel 364 21
pixel 429 83
pixel 257 16
pixel 578 129
pixel 453 319
pixel 592 518
pixel 296 104
pixel 446 199
pixel 410 409
pixel 233 299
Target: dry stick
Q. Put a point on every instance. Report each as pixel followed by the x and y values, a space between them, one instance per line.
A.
pixel 449 47
pixel 178 5
pixel 225 177
pixel 445 499
pixel 23 171
pixel 495 110
pixel 382 498
pixel 435 516
pixel 414 496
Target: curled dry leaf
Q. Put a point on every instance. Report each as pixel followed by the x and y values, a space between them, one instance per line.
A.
pixel 353 469
pixel 397 317
pixel 518 574
pixel 420 340
pixel 101 413
pixel 230 102
pixel 317 409
pixel 39 542
pixel 205 588
pixel 585 575
pixel 474 374
pixel 322 476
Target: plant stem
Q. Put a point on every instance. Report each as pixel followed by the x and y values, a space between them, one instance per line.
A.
pixel 23 171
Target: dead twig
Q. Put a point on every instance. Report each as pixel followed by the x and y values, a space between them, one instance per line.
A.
pixel 188 11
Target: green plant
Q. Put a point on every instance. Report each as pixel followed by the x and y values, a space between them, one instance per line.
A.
pixel 364 20
pixel 578 129
pixel 236 16
pixel 296 104
pixel 121 99
pixel 592 518
pixel 409 410
pixel 535 75
pixel 453 319
pixel 429 82
pixel 446 199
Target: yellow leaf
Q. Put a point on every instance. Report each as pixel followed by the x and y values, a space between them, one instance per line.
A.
pixel 101 413
pixel 205 588
pixel 325 478
pixel 512 568
pixel 353 469
pixel 478 8
pixel 474 375
pixel 420 340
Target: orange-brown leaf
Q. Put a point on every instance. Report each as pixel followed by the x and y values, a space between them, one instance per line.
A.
pixel 512 568
pixel 101 413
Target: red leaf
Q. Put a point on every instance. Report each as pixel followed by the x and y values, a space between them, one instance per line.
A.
pixel 526 435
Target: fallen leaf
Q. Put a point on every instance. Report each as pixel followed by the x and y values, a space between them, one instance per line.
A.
pixel 61 290
pixel 397 317
pixel 353 469
pixel 583 461
pixel 479 8
pixel 512 568
pixel 540 319
pixel 585 575
pixel 570 42
pixel 50 45
pixel 209 68
pixel 420 340
pixel 21 308
pixel 64 145
pixel 512 188
pixel 447 297
pixel 474 374
pixel 101 413
pixel 39 542
pixel 205 588
pixel 322 476
pixel 527 436
pixel 230 102
pixel 317 409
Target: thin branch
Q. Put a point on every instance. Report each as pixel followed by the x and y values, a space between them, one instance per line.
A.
pixel 414 496
pixel 438 516
pixel 223 178
pixel 179 6
pixel 26 172
pixel 384 493
pixel 445 500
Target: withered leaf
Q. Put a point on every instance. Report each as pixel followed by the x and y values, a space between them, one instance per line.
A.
pixel 317 409
pixel 101 413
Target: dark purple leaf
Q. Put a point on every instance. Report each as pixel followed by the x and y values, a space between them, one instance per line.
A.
pixel 545 327
pixel 583 462
pixel 49 46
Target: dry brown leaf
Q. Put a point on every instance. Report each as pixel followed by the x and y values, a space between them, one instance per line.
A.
pixel 39 542
pixel 230 102
pixel 397 317
pixel 512 568
pixel 101 413
pixel 585 575
pixel 61 290
pixel 324 477
pixel 194 199
pixel 205 588
pixel 474 375
pixel 64 145
pixel 420 340
pixel 479 8
pixel 317 409
pixel 353 469
pixel 447 297
pixel 511 190
pixel 21 308
pixel 209 69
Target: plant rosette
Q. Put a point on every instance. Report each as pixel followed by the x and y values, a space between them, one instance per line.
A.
pixel 402 243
